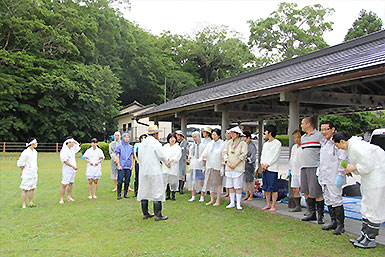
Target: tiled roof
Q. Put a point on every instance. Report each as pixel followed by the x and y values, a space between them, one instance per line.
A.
pixel 352 56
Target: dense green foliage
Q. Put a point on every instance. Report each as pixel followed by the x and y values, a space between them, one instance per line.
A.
pixel 284 139
pixel 366 23
pixel 102 145
pixel 290 32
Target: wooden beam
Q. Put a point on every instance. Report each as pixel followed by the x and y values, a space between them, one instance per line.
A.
pixel 319 97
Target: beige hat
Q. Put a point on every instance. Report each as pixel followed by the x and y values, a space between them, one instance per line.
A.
pixel 153 129
pixel 207 129
pixel 237 130
pixel 179 132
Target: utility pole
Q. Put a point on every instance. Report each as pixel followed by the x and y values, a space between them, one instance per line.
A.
pixel 165 89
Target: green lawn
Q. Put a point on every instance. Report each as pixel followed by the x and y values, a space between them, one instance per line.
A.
pixel 107 227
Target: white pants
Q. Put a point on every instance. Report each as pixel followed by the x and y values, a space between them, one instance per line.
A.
pixel 237 182
pixel 332 195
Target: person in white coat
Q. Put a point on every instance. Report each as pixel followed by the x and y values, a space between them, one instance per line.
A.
pixel 94 156
pixel 28 165
pixel 196 167
pixel 67 157
pixel 331 177
pixel 214 166
pixel 366 160
pixel 151 186
pixel 173 154
pixel 295 170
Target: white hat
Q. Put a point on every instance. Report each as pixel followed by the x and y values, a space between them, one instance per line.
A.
pixel 153 129
pixel 207 129
pixel 179 132
pixel 237 130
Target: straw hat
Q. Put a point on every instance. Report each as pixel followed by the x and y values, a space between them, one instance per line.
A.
pixel 207 129
pixel 237 130
pixel 153 129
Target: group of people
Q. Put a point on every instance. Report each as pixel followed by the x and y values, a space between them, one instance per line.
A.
pixel 317 167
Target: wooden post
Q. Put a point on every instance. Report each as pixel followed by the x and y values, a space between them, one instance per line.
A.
pixel 4 147
pixel 293 125
pixel 57 147
pixel 260 143
pixel 225 124
pixel 183 125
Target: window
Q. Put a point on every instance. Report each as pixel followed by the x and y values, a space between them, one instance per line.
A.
pixel 124 128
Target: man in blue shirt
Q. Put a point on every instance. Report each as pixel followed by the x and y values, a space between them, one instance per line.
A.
pixel 125 159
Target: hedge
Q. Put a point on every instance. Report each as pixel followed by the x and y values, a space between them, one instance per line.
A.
pixel 284 139
pixel 102 145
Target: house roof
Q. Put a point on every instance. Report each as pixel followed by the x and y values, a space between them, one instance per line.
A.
pixel 131 104
pixel 135 110
pixel 354 56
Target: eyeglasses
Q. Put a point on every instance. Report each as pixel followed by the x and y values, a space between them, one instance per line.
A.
pixel 325 129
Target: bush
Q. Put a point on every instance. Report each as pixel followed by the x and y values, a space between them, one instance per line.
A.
pixel 102 145
pixel 284 139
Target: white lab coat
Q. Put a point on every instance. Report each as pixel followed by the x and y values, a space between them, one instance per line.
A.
pixel 28 160
pixel 173 153
pixel 150 176
pixel 295 160
pixel 68 154
pixel 195 162
pixel 94 156
pixel 369 160
pixel 330 162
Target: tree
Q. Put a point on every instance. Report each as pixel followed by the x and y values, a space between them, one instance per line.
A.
pixel 290 32
pixel 366 23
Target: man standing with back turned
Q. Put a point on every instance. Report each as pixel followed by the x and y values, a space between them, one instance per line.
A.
pixel 150 176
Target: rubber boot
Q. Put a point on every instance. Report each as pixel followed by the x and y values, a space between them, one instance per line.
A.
pixel 119 191
pixel 136 188
pixel 168 192
pixel 126 190
pixel 370 236
pixel 158 211
pixel 363 231
pixel 297 207
pixel 333 219
pixel 173 196
pixel 340 214
pixel 311 208
pixel 181 186
pixel 320 210
pixel 146 215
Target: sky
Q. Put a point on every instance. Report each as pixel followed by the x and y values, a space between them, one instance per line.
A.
pixel 186 16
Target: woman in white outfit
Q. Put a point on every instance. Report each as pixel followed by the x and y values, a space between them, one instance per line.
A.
pixel 173 153
pixel 214 166
pixel 366 160
pixel 235 155
pixel 196 167
pixel 28 165
pixel 94 157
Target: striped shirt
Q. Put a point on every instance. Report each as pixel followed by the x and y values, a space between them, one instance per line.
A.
pixel 311 145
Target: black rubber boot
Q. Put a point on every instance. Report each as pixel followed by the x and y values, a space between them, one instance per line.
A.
pixel 168 192
pixel 363 231
pixel 119 191
pixel 311 208
pixel 297 207
pixel 136 188
pixel 146 215
pixel 173 196
pixel 320 210
pixel 158 211
pixel 126 190
pixel 370 236
pixel 181 185
pixel 340 214
pixel 333 219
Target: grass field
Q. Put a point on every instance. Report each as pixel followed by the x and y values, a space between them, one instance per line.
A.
pixel 107 227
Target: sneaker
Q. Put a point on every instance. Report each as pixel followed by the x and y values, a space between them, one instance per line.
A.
pixel 231 205
pixel 192 199
pixel 239 207
pixel 202 199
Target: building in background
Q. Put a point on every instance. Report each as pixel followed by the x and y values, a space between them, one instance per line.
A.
pixel 127 122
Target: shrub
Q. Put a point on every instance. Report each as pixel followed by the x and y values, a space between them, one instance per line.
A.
pixel 284 139
pixel 102 145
